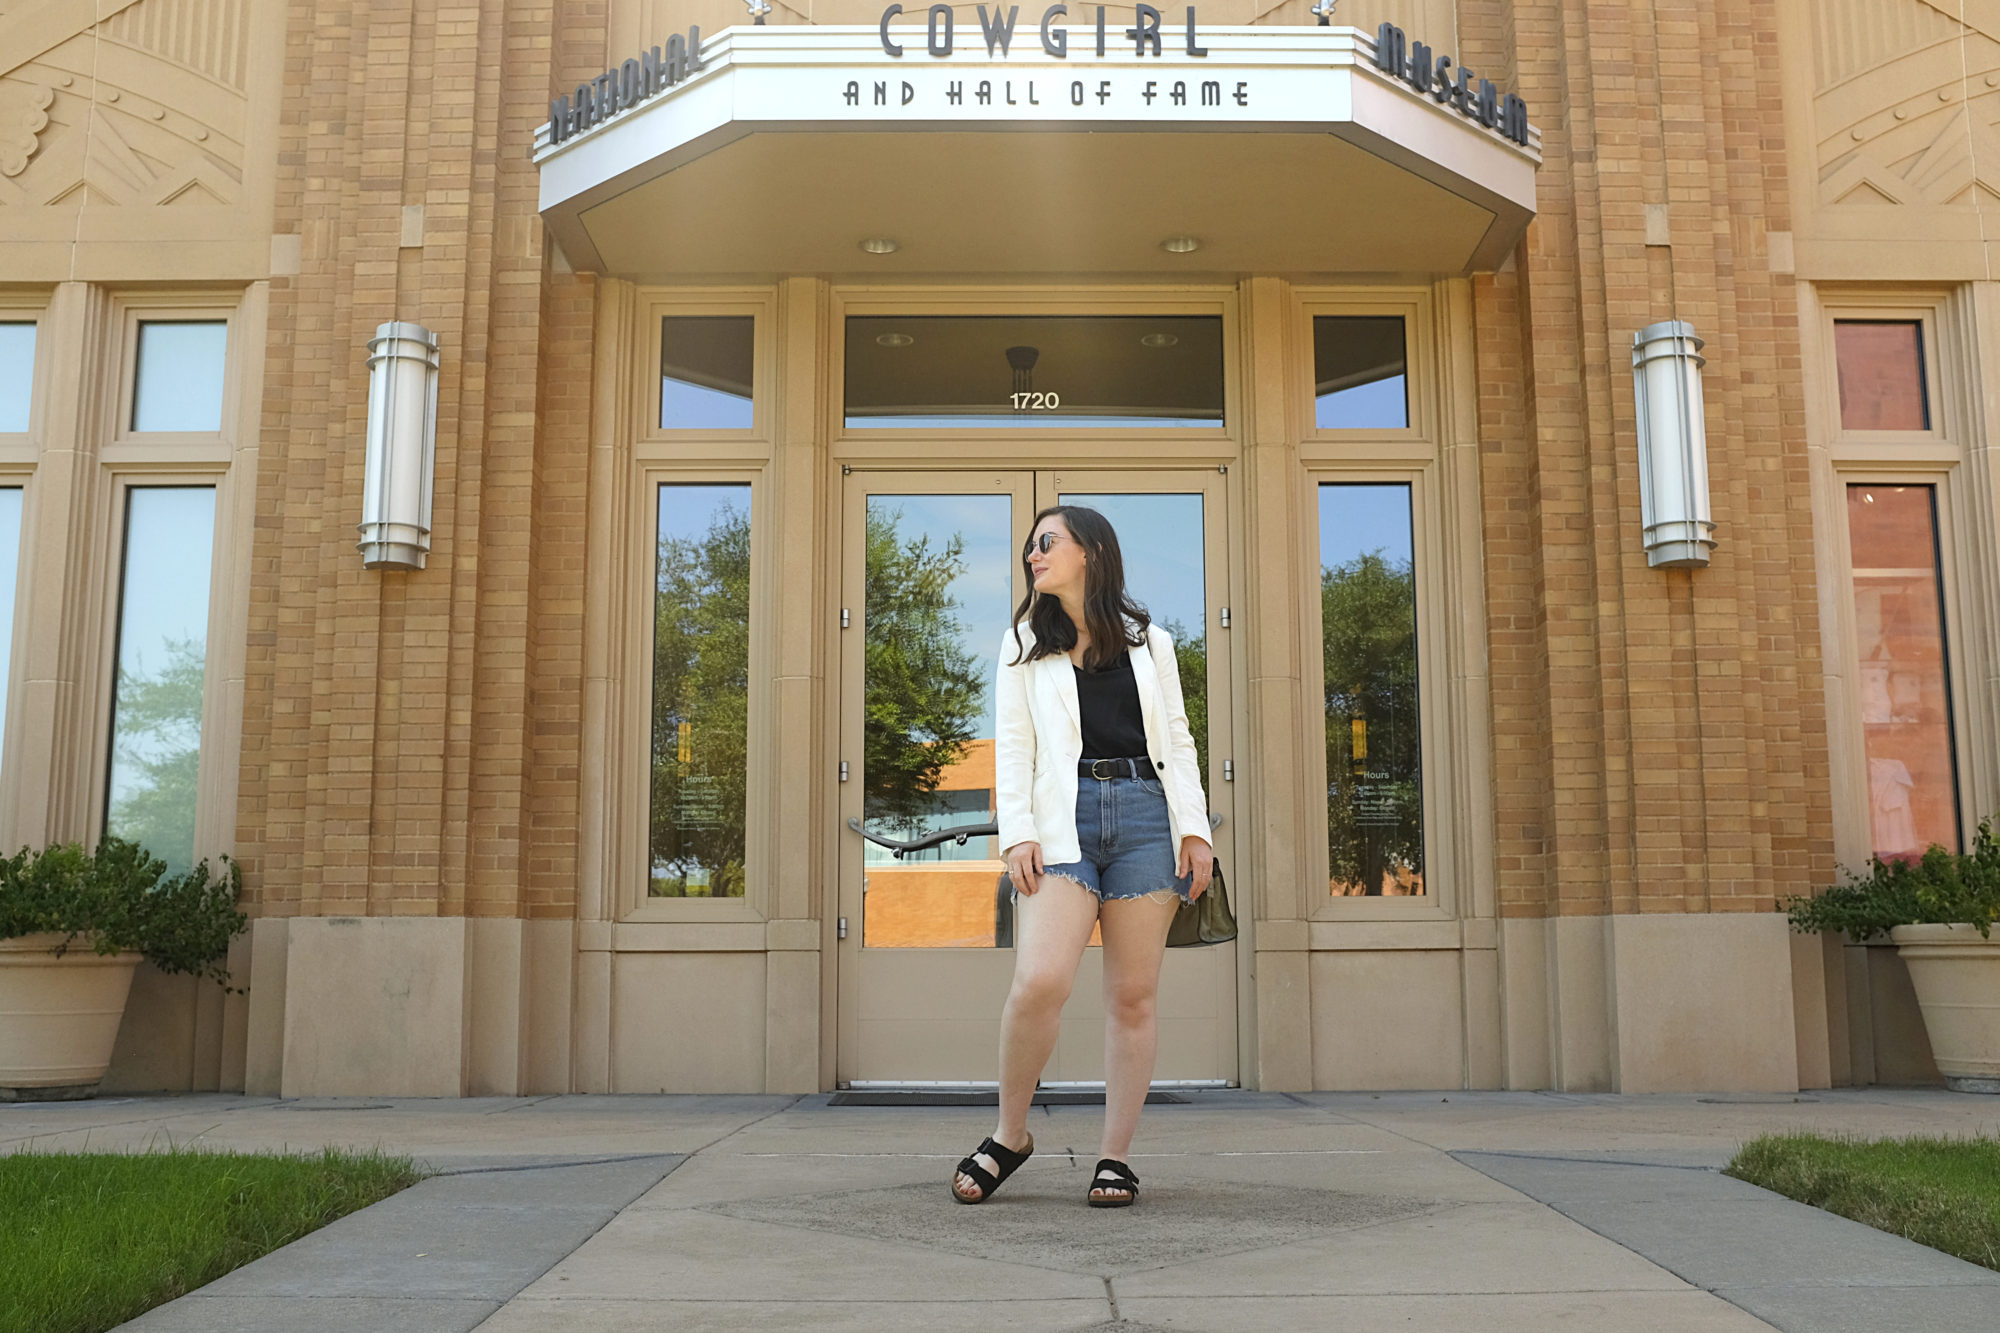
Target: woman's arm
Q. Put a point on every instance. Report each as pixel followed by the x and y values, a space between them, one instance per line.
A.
pixel 1013 750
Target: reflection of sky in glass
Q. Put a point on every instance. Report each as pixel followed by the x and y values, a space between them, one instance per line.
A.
pixel 17 375
pixel 1017 421
pixel 1160 537
pixel 169 545
pixel 685 406
pixel 688 512
pixel 1382 405
pixel 984 588
pixel 10 571
pixel 180 376
pixel 1356 519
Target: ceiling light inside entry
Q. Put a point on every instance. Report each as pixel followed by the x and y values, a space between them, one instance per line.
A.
pixel 881 245
pixel 1158 340
pixel 894 339
pixel 1180 245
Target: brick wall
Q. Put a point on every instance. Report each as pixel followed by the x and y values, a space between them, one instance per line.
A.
pixel 1659 735
pixel 410 738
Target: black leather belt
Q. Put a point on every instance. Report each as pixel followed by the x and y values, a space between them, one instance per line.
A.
pixel 1106 769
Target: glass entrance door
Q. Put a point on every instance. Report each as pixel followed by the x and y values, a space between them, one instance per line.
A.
pixel 931 574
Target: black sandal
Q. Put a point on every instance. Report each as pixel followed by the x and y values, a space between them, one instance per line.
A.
pixel 1009 1160
pixel 1122 1179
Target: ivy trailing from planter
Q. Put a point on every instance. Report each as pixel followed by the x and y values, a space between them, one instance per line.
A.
pixel 122 898
pixel 1939 888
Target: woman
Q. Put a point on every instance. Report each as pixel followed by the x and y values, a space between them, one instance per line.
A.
pixel 1103 823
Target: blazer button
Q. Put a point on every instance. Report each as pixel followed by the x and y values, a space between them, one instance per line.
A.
pixel 1158 764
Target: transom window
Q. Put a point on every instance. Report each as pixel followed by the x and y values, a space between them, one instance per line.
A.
pixel 1881 369
pixel 707 371
pixel 1360 372
pixel 17 374
pixel 1016 371
pixel 179 384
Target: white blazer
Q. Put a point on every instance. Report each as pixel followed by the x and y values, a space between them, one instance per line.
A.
pixel 1039 742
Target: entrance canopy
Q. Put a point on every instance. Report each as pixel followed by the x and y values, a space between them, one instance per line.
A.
pixel 815 149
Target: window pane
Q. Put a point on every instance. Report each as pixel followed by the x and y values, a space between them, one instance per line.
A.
pixel 1881 375
pixel 10 573
pixel 162 661
pixel 701 691
pixel 1904 687
pixel 939 595
pixel 707 365
pixel 1360 379
pixel 180 376
pixel 1374 756
pixel 1025 371
pixel 17 375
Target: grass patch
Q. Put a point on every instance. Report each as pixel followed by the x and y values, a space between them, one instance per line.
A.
pixel 1940 1192
pixel 95 1239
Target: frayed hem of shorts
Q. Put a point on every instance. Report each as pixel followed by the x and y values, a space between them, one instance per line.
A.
pixel 1166 895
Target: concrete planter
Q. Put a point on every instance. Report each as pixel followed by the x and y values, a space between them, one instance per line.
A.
pixel 58 1017
pixel 1956 973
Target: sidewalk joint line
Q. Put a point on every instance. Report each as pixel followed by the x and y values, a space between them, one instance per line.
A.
pixel 556 1166
pixel 549 1267
pixel 1580 1161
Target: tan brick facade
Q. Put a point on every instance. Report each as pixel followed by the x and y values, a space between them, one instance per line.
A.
pixel 1660 745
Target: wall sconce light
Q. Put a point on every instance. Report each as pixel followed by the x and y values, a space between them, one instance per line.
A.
pixel 1673 446
pixel 402 446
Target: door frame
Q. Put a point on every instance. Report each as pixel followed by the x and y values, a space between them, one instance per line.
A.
pixel 1036 485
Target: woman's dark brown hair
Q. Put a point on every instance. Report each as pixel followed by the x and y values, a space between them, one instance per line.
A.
pixel 1116 622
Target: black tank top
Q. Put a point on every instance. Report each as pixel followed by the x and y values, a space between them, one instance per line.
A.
pixel 1108 705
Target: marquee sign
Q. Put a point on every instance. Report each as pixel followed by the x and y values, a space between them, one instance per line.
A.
pixel 1414 64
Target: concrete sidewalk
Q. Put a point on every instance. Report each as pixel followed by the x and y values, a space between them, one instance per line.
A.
pixel 1489 1211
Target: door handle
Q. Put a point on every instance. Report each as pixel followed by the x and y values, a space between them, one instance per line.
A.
pixel 956 835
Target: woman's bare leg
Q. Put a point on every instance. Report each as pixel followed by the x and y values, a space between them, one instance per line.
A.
pixel 1135 942
pixel 1051 930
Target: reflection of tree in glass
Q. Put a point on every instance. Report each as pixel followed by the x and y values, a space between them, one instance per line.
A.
pixel 1191 652
pixel 156 753
pixel 925 688
pixel 1374 800
pixel 701 707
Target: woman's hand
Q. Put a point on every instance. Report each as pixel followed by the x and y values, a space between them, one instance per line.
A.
pixel 1197 859
pixel 1024 866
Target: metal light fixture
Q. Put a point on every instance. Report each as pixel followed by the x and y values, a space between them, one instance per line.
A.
pixel 402 446
pixel 894 339
pixel 1673 446
pixel 1158 340
pixel 1180 245
pixel 881 245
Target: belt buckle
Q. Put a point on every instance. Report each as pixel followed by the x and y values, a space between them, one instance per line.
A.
pixel 1101 777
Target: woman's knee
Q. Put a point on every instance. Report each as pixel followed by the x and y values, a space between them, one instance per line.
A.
pixel 1130 1005
pixel 1035 991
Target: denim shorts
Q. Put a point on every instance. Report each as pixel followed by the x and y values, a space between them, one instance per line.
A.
pixel 1126 840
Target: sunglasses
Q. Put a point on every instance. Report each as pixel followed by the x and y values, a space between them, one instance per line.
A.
pixel 1046 540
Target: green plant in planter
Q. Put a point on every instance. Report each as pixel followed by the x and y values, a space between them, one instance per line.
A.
pixel 1940 888
pixel 121 898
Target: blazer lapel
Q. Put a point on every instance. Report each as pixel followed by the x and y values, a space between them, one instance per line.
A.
pixel 1056 669
pixel 1148 681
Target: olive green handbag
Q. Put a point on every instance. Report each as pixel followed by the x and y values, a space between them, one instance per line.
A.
pixel 1206 920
